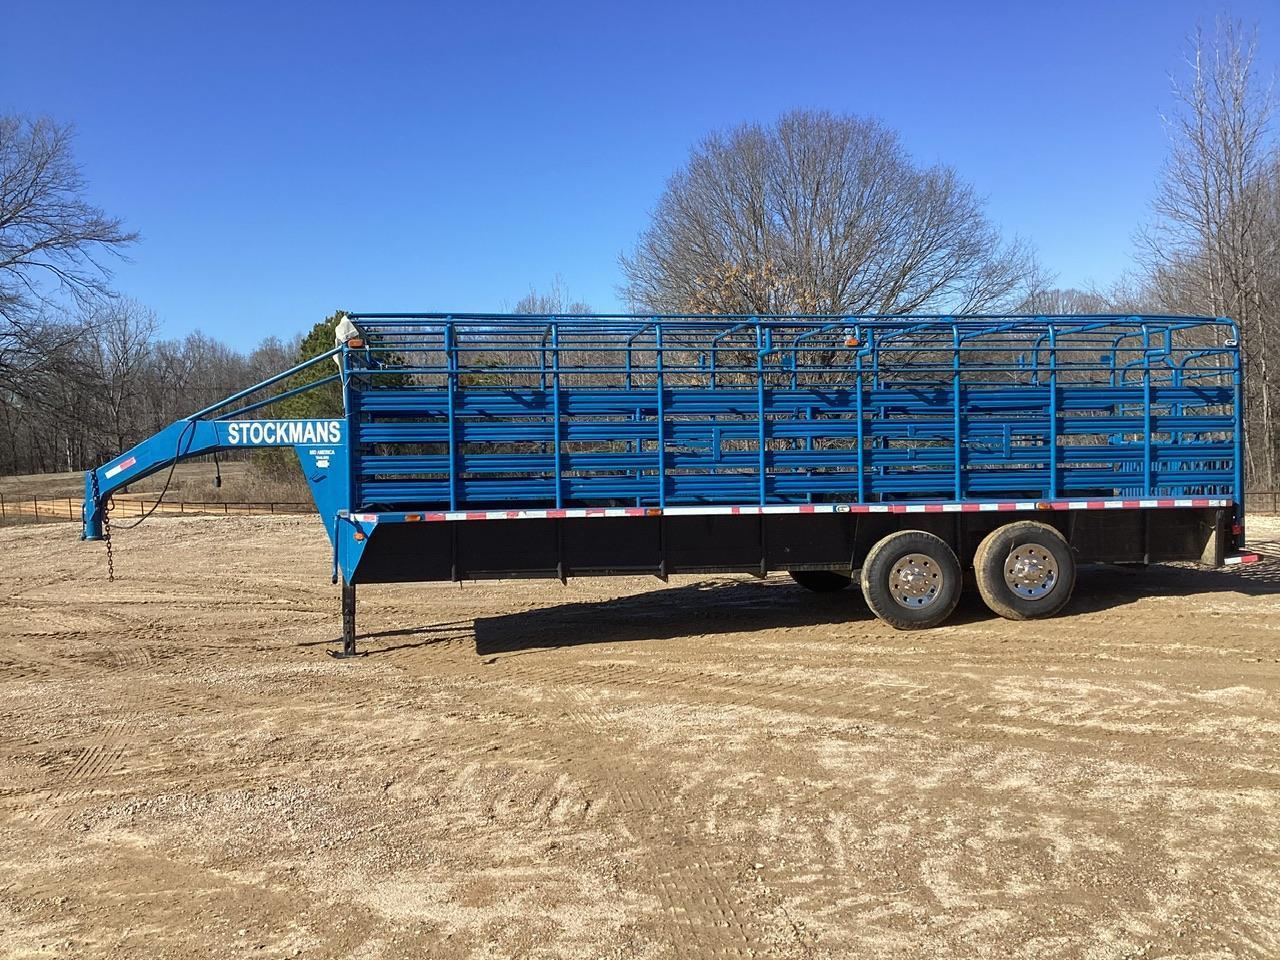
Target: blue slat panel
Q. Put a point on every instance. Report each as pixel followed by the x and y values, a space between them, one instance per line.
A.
pixel 727 386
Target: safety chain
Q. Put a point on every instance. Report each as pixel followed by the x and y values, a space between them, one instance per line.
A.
pixel 106 527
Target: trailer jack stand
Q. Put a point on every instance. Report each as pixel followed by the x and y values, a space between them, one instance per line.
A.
pixel 348 620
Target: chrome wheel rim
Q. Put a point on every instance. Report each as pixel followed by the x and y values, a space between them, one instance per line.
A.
pixel 1030 571
pixel 915 581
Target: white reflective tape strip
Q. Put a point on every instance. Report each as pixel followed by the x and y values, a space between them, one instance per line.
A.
pixel 704 511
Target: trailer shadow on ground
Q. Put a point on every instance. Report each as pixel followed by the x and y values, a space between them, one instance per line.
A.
pixel 719 606
pixel 713 607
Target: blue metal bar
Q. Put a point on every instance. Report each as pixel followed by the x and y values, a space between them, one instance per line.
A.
pixel 1237 385
pixel 859 437
pixel 662 418
pixel 764 345
pixel 351 404
pixel 451 382
pixel 957 406
pixel 715 344
pixel 555 413
pixel 1053 411
pixel 1146 413
pixel 312 385
pixel 240 395
pixel 542 372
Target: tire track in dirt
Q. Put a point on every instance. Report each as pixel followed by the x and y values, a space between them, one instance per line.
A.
pixel 908 707
pixel 574 767
pixel 75 772
pixel 703 910
pixel 92 769
pixel 706 910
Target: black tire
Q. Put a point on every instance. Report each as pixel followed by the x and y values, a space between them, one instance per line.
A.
pixel 1013 594
pixel 934 586
pixel 821 581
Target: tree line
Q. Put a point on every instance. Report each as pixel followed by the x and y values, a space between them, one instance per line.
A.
pixel 814 213
pixel 79 389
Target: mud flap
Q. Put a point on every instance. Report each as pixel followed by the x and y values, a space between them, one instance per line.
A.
pixel 1219 534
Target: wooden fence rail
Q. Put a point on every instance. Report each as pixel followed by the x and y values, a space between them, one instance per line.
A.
pixel 68 508
pixel 1262 501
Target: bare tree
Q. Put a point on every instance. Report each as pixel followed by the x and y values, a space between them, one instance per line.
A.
pixel 1213 247
pixel 119 355
pixel 51 238
pixel 1060 300
pixel 554 302
pixel 820 213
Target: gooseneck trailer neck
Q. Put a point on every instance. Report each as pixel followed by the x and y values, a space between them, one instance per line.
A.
pixel 626 444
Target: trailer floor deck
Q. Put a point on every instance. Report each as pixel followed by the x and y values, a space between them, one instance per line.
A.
pixel 717 767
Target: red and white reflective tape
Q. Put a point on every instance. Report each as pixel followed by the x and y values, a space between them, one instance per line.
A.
pixel 122 465
pixel 1242 558
pixel 574 513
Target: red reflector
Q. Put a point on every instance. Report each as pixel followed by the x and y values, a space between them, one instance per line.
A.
pixel 1237 529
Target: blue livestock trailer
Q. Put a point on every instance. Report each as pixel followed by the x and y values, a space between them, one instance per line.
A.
pixel 900 450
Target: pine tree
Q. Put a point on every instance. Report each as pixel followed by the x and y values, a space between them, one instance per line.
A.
pixel 324 401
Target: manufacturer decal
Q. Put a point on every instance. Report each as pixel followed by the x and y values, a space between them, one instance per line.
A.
pixel 268 433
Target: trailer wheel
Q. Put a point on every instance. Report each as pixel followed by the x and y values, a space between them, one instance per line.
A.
pixel 1025 570
pixel 911 580
pixel 821 581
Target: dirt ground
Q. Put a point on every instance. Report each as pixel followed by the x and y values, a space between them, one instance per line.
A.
pixel 715 767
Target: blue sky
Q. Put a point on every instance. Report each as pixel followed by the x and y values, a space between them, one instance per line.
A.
pixel 284 159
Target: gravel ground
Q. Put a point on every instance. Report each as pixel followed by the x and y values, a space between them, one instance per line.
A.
pixel 715 767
